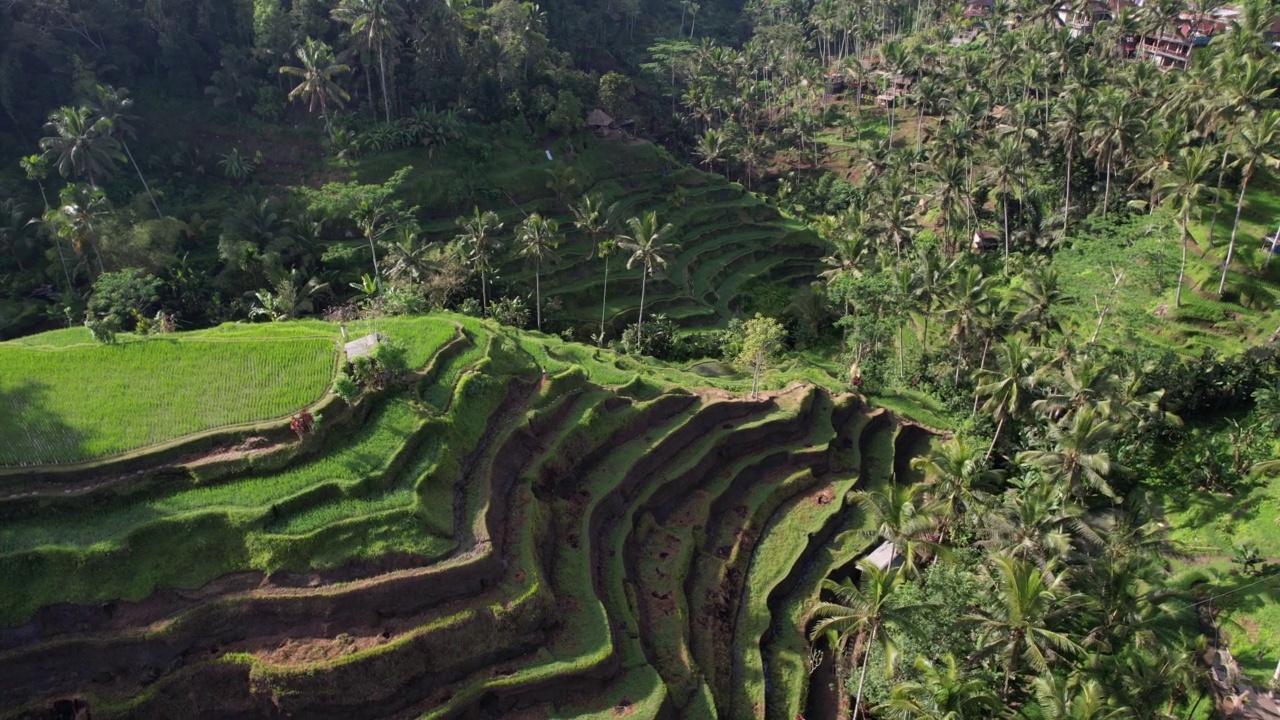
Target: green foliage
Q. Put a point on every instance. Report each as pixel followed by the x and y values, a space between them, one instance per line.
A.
pixel 567 115
pixel 346 388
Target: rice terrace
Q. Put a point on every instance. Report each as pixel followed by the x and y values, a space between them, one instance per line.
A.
pixel 782 359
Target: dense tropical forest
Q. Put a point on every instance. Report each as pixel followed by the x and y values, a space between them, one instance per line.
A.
pixel 669 358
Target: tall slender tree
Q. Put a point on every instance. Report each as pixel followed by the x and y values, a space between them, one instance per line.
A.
pixel 1183 189
pixel 1257 145
pixel 538 237
pixel 479 234
pixel 375 23
pixel 80 144
pixel 113 105
pixel 648 244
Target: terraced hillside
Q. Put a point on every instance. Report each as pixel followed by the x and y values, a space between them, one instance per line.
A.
pixel 723 236
pixel 515 531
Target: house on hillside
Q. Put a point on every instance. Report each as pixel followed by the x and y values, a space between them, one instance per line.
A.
pixel 898 87
pixel 1082 19
pixel 985 241
pixel 600 123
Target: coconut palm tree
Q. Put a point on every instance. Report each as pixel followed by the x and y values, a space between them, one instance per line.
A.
pixel 863 613
pixel 1071 115
pixel 605 250
pixel 1075 699
pixel 1036 523
pixel 1078 461
pixel 318 69
pixel 80 144
pixel 940 692
pixel 1112 132
pixel 901 515
pixel 1007 390
pixel 1257 144
pixel 112 105
pixel 1183 188
pixel 967 299
pixel 374 22
pixel 591 217
pixel 1018 623
pixel 1005 174
pixel 1236 90
pixel 648 245
pixel 1041 292
pixel 956 478
pixel 711 148
pixel 479 235
pixel 538 238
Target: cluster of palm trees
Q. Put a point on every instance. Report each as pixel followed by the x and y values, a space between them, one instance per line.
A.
pixel 1075 615
pixel 1029 107
pixel 537 237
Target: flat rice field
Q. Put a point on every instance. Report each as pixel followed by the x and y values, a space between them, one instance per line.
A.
pixel 67 402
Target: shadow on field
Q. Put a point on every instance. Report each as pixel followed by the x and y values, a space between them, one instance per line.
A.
pixel 30 434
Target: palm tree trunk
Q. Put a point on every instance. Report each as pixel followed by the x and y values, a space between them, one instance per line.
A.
pixel 537 289
pixel 1005 203
pixel 382 71
pixel 996 437
pixel 374 252
pixel 644 276
pixel 484 297
pixel 1106 193
pixel 138 170
pixel 604 302
pixel 1066 203
pixel 1274 239
pixel 755 379
pixel 1182 271
pixel 862 678
pixel 1217 198
pixel 1231 248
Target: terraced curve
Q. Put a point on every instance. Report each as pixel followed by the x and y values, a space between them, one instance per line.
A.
pixel 517 545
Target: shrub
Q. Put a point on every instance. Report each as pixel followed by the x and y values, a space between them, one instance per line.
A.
pixel 120 297
pixel 346 388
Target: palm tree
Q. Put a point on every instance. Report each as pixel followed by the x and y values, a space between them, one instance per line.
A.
pixel 968 296
pixel 375 21
pixel 590 217
pixel 78 144
pixel 1078 460
pixel 1036 523
pixel 113 106
pixel 1071 114
pixel 605 250
pixel 1018 623
pixel 1257 142
pixel 478 234
pixel 318 88
pixel 1075 699
pixel 901 516
pixel 711 148
pixel 1006 391
pixel 1006 175
pixel 940 693
pixel 863 613
pixel 538 238
pixel 1242 85
pixel 647 243
pixel 1183 188
pixel 1112 132
pixel 950 191
pixel 956 475
pixel 1040 291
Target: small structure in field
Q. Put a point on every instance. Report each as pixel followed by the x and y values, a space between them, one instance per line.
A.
pixel 362 347
pixel 885 556
pixel 600 123
pixel 985 241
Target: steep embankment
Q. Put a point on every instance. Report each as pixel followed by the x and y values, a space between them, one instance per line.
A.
pixel 485 540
